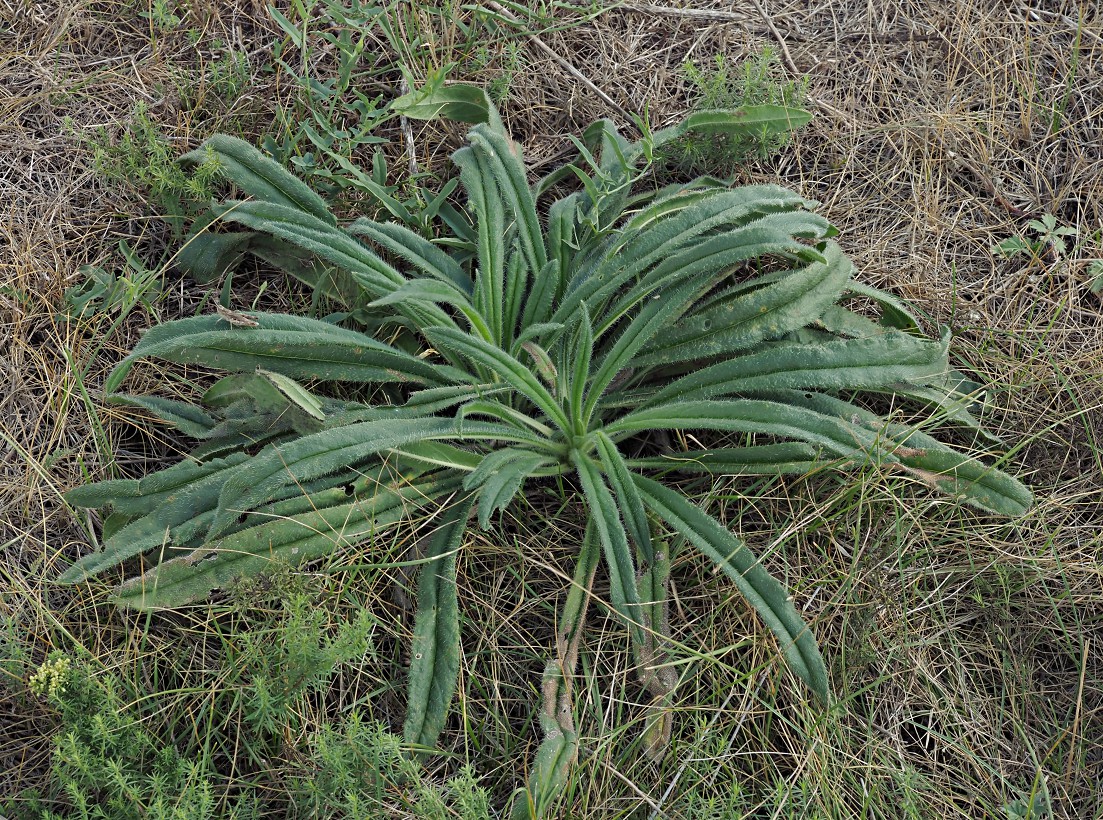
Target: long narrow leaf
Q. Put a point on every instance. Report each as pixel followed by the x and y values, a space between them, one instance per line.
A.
pixel 435 650
pixel 294 346
pixel 259 176
pixel 765 595
pixel 290 539
pixel 328 451
pixel 614 541
pixel 505 366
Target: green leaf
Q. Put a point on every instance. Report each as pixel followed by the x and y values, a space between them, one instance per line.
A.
pixel 499 489
pixel 765 595
pixel 185 417
pixel 206 256
pixel 500 363
pixel 293 346
pixel 485 204
pixel 929 460
pixel 459 101
pixel 845 364
pixel 767 313
pixel 418 251
pixel 180 494
pixel 295 393
pixel 435 650
pixel 285 537
pixel 428 290
pixel 628 499
pixel 607 523
pixel 782 419
pixel 375 276
pixel 329 451
pixel 787 458
pixel 259 176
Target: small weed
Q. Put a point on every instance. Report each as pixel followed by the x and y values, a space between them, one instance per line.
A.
pixel 102 292
pixel 1095 273
pixel 218 84
pixel 106 764
pixel 753 82
pixel 361 770
pixel 294 657
pixel 143 158
pixel 162 16
pixel 1047 243
pixel 1048 237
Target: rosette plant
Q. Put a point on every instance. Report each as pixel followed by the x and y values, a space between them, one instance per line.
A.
pixel 539 339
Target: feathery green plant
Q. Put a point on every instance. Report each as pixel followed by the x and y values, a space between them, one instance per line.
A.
pixel 554 340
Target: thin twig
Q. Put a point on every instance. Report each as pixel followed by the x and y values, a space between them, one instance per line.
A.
pixel 696 14
pixel 570 69
pixel 780 40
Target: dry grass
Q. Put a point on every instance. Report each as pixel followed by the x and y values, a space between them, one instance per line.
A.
pixel 967 652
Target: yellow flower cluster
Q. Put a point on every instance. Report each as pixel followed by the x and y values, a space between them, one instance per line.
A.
pixel 50 679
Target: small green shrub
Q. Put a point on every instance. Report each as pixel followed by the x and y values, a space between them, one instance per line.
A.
pixel 550 341
pixel 720 86
pixel 105 764
pixel 362 772
pixel 144 159
pixel 292 656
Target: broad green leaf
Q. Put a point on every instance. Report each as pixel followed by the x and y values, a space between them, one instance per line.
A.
pixel 418 251
pixel 499 489
pixel 435 649
pixel 834 434
pixel 428 290
pixel 375 276
pixel 765 595
pixel 177 503
pixel 486 206
pixel 503 159
pixel 459 101
pixel 205 256
pixel 787 458
pixel 581 351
